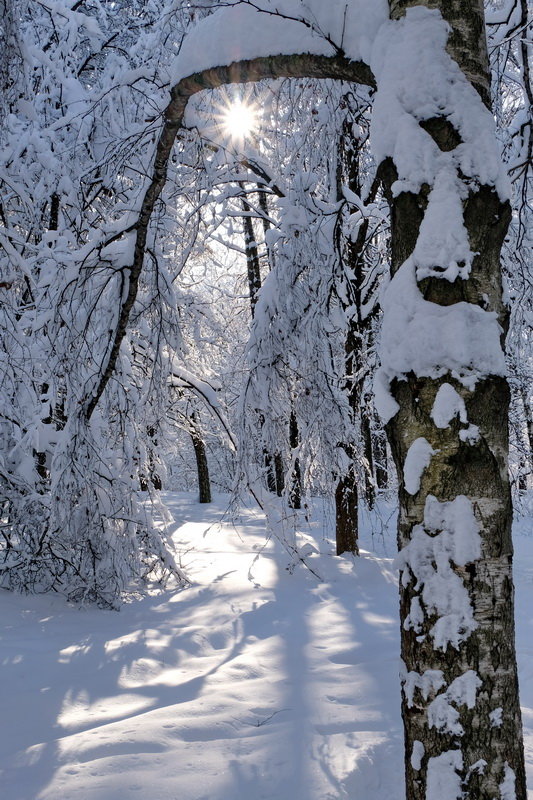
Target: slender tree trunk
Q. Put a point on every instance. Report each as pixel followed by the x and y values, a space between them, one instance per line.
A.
pixel 279 474
pixel 295 493
pixel 346 491
pixel 252 256
pixel 379 449
pixel 204 482
pixel 275 473
pixel 346 510
pixel 460 696
pixel 528 414
pixel 273 464
pixel 153 476
pixel 40 458
pixel 368 460
pixel 352 254
pixel 265 220
pixel 522 427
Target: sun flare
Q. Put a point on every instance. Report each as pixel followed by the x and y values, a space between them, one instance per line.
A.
pixel 240 119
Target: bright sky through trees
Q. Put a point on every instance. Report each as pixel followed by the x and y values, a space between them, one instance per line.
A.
pixel 240 119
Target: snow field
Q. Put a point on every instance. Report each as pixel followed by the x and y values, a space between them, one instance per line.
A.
pixel 256 682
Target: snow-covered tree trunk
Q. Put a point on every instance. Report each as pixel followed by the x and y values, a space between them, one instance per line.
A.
pixel 275 478
pixel 252 255
pixel 442 360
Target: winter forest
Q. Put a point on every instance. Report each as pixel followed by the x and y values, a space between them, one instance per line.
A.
pixel 266 407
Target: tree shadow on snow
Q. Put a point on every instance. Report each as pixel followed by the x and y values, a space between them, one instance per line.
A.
pixel 302 674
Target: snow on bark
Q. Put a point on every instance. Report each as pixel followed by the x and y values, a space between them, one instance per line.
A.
pixel 448 537
pixel 470 435
pixel 442 248
pixel 496 718
pixel 418 81
pixel 417 754
pixel 442 711
pixel 431 340
pixel 444 717
pixel 462 691
pixel 507 786
pixel 443 779
pixel 417 460
pixel 429 682
pixel 448 404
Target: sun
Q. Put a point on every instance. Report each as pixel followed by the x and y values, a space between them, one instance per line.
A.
pixel 239 119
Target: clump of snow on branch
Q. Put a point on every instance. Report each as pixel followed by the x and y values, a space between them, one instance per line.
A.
pixel 274 27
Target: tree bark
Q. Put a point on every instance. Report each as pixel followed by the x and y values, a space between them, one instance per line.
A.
pixel 351 254
pixel 204 483
pixel 265 220
pixel 346 491
pixel 275 473
pixel 528 414
pixel 479 741
pixel 252 256
pixel 346 510
pixel 368 460
pixel 295 491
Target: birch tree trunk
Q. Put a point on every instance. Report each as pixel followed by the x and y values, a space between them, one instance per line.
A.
pixel 252 255
pixel 460 695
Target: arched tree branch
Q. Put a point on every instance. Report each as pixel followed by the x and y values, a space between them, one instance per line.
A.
pixel 284 66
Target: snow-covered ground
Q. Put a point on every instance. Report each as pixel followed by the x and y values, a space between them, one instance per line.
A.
pixel 256 682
